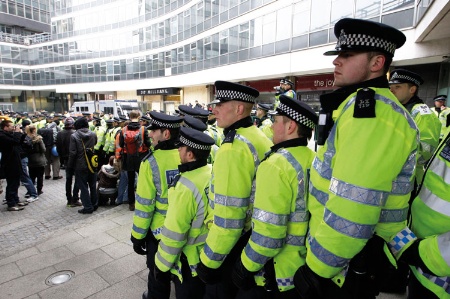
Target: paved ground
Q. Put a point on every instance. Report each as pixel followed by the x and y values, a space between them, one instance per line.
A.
pixel 47 237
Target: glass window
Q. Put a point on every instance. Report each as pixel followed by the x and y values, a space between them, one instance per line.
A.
pixel 300 23
pixel 173 26
pixel 233 41
pixel 28 12
pixel 367 8
pixel 389 5
pixel 320 14
pixel 12 7
pixel 269 28
pixel 341 9
pixel 256 32
pixel 207 45
pixel 284 28
pixel 223 42
pixel 400 19
pixel 244 36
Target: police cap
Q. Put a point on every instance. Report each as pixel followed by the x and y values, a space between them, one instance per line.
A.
pixel 286 81
pixel 229 91
pixel 109 121
pixel 86 113
pixel 265 107
pixel 195 139
pixel 366 36
pixel 400 76
pixel 194 112
pixel 440 98
pixel 116 119
pixel 194 123
pixel 145 118
pixel 162 120
pixel 298 111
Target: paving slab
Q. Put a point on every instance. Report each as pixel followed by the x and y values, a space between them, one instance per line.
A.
pixel 26 285
pixel 122 268
pixel 86 262
pixel 45 259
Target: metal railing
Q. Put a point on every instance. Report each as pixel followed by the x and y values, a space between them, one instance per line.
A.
pixel 25 39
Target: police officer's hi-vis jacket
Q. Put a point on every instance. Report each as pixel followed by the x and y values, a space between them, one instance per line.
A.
pixel 231 191
pixel 362 177
pixel 100 132
pixel 430 212
pixel 280 217
pixel 156 172
pixel 429 128
pixel 266 127
pixel 185 227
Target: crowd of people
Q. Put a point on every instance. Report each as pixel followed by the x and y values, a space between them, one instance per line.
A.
pixel 230 206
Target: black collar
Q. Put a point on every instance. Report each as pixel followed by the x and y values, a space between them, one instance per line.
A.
pixel 302 141
pixel 413 101
pixel 331 101
pixel 191 165
pixel 242 123
pixel 166 145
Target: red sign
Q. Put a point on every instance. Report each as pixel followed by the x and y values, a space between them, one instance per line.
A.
pixel 315 82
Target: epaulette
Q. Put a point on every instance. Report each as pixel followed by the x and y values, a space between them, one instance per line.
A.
pixel 365 103
pixel 150 152
pixel 230 137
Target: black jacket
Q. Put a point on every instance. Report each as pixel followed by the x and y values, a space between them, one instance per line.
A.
pixel 63 142
pixel 77 159
pixel 10 146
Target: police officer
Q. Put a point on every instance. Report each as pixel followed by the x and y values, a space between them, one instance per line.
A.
pixel 100 131
pixel 185 227
pixel 156 173
pixel 362 177
pixel 266 123
pixel 276 248
pixel 430 210
pixel 404 85
pixel 231 191
pixel 287 86
pixel 443 113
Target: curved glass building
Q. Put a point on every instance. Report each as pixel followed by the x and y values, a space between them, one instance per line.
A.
pixel 167 52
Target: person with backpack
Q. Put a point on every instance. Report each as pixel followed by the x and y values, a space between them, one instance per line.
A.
pixel 62 146
pixel 27 149
pixel 135 144
pixel 80 160
pixel 36 159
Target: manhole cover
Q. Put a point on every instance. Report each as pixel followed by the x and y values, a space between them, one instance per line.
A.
pixel 59 277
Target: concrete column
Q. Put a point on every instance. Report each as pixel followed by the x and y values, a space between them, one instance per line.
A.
pixel 33 100
pixel 69 100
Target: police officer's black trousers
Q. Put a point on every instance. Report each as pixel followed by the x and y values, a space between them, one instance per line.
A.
pixel 417 291
pixel 192 287
pixel 156 289
pixel 260 293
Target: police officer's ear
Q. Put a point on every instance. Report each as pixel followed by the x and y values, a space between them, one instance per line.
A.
pixel 376 62
pixel 412 89
pixel 292 127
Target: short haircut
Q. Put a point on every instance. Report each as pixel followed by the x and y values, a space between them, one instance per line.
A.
pixel 200 155
pixel 302 130
pixel 174 132
pixel 387 61
pixel 134 114
pixel 5 123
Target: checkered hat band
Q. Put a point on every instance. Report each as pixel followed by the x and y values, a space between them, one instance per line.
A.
pixel 166 125
pixel 194 145
pixel 397 76
pixel 366 41
pixel 232 94
pixel 298 117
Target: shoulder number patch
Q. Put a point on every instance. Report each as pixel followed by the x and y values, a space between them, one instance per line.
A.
pixel 170 176
pixel 424 109
pixel 365 103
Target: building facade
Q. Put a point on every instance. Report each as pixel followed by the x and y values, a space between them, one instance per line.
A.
pixel 110 49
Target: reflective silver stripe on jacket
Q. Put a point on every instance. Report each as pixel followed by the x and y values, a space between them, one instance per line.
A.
pixel 230 201
pixel 256 162
pixel 326 256
pixel 358 194
pixel 442 282
pixel 267 242
pixel 444 246
pixel 321 196
pixel 156 179
pixel 229 223
pixel 271 218
pixel 397 215
pixel 347 227
pixel 440 169
pixel 401 239
pixel 213 256
pixel 255 256
pixel 434 202
pixel 403 183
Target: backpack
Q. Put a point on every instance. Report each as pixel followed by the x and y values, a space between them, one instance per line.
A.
pixel 91 158
pixel 132 140
pixel 27 146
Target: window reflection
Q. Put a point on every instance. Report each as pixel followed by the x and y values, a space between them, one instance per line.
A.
pixel 367 8
pixel 320 14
